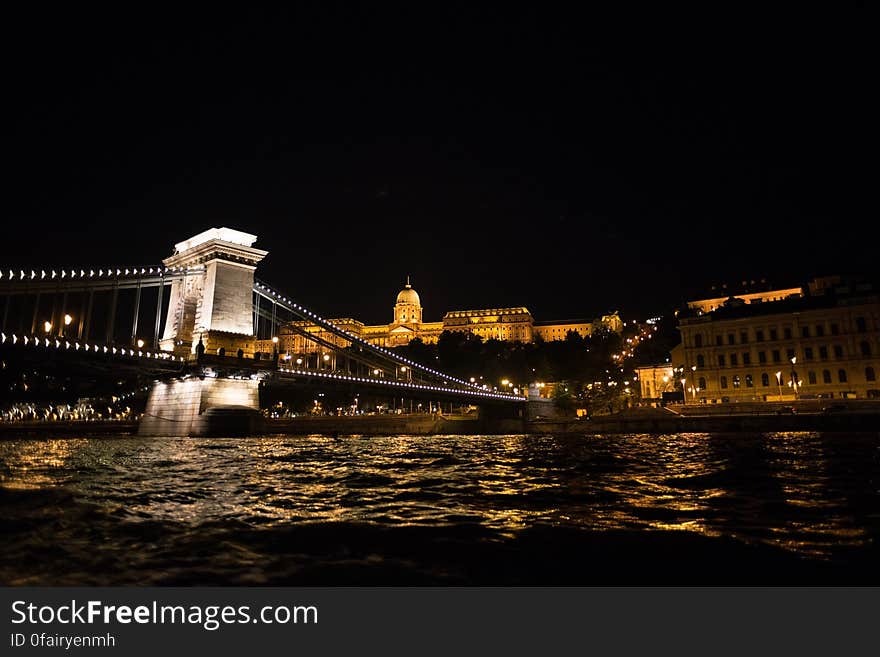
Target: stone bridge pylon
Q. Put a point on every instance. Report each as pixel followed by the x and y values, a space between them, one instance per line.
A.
pixel 213 301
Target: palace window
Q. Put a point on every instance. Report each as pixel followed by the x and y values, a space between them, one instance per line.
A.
pixel 776 357
pixel 826 376
pixel 747 358
pixel 720 360
pixel 811 377
pixel 838 351
pixel 702 383
pixel 869 374
pixel 743 337
pixel 835 329
pixel 723 381
pixel 736 381
pixel 719 340
pixel 698 340
pixel 774 335
pixel 820 330
pixel 841 376
pixel 731 339
pixel 865 347
pixel 861 324
pixel 701 362
pixel 789 353
pixel 765 379
pixel 823 352
pixel 808 353
pixel 749 382
pixel 762 356
pixel 759 335
pixel 733 360
pixel 787 332
pixel 805 331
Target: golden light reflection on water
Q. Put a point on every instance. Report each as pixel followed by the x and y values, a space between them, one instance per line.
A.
pixel 795 491
pixel 799 463
pixel 34 464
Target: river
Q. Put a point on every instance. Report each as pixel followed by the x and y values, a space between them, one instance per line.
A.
pixel 779 508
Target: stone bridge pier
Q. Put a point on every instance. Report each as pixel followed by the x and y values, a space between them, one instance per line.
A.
pixel 205 406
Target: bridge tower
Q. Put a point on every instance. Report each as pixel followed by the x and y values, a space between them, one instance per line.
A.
pixel 214 301
pixel 211 301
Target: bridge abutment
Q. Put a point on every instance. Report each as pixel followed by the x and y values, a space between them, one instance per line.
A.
pixel 202 407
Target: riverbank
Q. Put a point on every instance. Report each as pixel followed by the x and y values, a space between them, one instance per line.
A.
pixel 732 423
pixel 12 430
pixel 436 424
pixel 389 425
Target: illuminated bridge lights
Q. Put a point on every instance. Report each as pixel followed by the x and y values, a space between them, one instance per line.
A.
pixel 382 350
pixel 58 344
pixel 400 384
pixel 101 272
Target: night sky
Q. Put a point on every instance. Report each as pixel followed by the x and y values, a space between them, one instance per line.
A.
pixel 565 162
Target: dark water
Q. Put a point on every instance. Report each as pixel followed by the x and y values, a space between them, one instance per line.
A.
pixel 697 508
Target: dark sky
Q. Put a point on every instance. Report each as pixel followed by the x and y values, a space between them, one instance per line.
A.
pixel 565 162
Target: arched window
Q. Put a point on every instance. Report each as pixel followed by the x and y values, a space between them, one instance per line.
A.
pixel 811 377
pixel 765 379
pixel 701 384
pixel 841 375
pixel 826 376
pixel 865 347
pixel 701 362
pixel 736 381
pixel 749 382
pixel 869 374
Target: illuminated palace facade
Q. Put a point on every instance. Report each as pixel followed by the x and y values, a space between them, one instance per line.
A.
pixel 822 342
pixel 507 324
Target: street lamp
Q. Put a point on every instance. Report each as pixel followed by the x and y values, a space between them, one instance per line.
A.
pixel 140 344
pixel 779 384
pixel 683 395
pixel 47 327
pixel 794 377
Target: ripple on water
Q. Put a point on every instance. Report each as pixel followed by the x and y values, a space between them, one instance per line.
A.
pixel 447 509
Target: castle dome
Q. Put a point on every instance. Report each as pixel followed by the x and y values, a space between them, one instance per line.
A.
pixel 409 295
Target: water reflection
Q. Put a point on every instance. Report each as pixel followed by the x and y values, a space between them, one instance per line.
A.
pixel 809 494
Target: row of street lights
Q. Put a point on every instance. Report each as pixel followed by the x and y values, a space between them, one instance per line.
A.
pixel 47 326
pixel 68 320
pixel 794 383
pixel 402 371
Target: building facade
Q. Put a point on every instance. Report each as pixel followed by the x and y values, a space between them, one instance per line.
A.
pixel 508 324
pixel 654 380
pixel 822 345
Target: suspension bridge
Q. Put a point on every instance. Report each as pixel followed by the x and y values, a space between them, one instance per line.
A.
pixel 201 324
